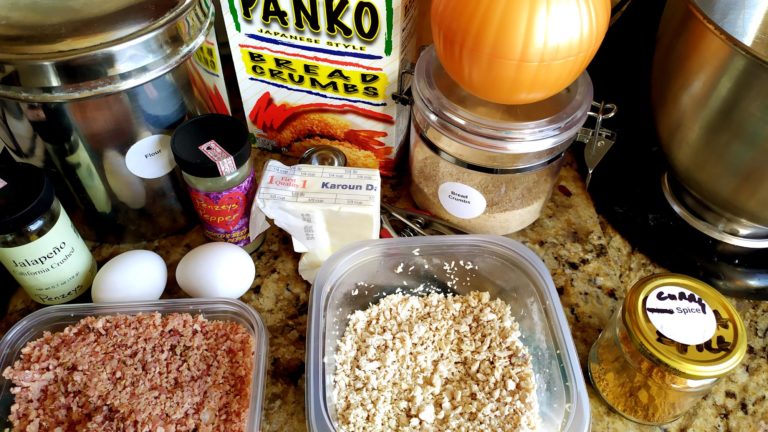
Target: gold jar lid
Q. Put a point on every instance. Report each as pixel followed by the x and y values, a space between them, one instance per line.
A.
pixel 685 325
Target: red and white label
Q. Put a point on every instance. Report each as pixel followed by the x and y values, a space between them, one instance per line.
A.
pixel 224 161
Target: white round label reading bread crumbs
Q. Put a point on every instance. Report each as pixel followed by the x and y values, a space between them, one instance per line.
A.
pixel 461 200
pixel 681 315
pixel 151 157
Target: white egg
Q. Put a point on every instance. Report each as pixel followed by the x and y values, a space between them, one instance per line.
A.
pixel 216 270
pixel 137 275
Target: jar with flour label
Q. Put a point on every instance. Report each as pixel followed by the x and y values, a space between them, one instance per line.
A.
pixel 487 167
pixel 91 90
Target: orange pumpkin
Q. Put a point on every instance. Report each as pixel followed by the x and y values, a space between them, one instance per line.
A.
pixel 517 51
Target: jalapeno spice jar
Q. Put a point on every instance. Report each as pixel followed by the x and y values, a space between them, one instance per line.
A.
pixel 672 339
pixel 214 155
pixel 38 242
pixel 486 167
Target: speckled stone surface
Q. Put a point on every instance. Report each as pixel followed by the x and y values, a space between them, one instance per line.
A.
pixel 591 266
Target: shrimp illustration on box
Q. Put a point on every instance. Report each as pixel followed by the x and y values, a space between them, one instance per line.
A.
pixel 323 72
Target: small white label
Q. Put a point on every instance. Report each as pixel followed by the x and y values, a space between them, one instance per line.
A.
pixel 2 183
pixel 461 200
pixel 681 315
pixel 151 157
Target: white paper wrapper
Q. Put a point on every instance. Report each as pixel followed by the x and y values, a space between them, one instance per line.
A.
pixel 257 224
pixel 323 208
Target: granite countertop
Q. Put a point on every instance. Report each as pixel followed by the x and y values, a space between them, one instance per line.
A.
pixel 591 264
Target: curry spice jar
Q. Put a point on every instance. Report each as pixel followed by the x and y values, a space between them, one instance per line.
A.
pixel 665 348
pixel 485 167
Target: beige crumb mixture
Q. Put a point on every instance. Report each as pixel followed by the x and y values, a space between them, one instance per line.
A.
pixel 434 363
pixel 146 372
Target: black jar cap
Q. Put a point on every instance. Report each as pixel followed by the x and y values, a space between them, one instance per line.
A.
pixel 227 131
pixel 27 195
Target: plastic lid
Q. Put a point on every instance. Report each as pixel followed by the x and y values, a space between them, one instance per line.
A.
pixel 26 193
pixel 496 127
pixel 52 50
pixel 685 325
pixel 227 131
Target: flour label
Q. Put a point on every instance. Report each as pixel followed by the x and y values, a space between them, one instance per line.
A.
pixel 461 200
pixel 681 315
pixel 151 157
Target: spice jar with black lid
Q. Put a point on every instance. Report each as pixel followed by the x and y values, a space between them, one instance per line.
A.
pixel 39 245
pixel 214 155
pixel 665 348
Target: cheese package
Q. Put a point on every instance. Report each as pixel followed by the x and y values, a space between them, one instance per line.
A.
pixel 323 208
pixel 324 72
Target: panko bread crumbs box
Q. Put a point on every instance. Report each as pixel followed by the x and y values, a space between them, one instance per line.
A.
pixel 323 72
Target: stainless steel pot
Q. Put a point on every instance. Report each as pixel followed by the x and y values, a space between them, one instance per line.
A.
pixel 710 101
pixel 92 89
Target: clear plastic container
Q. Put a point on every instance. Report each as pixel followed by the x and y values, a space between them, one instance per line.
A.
pixel 56 318
pixel 505 268
pixel 488 168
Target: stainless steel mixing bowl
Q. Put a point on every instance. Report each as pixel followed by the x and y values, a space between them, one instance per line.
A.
pixel 710 101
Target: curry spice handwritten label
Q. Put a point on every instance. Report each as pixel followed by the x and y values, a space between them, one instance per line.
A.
pixel 681 315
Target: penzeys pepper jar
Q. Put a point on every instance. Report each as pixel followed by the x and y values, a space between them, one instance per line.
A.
pixel 214 155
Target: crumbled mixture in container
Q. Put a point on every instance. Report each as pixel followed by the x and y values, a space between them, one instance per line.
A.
pixel 146 372
pixel 434 363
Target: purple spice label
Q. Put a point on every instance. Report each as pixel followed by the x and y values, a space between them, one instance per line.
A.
pixel 225 214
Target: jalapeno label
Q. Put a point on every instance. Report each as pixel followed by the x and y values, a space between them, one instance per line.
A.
pixel 151 157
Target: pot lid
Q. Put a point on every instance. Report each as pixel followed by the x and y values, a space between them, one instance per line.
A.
pixel 496 127
pixel 746 21
pixel 53 50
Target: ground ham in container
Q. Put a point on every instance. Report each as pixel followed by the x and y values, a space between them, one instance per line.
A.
pixel 146 372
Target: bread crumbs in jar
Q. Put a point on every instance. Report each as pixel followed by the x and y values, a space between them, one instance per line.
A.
pixel 665 348
pixel 485 167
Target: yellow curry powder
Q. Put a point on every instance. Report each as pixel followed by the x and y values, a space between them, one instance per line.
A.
pixel 635 386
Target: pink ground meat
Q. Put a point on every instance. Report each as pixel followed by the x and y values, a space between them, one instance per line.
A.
pixel 147 372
